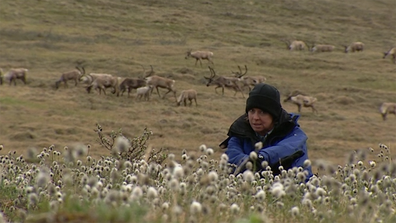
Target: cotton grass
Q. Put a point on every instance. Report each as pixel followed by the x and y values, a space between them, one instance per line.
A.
pixel 200 189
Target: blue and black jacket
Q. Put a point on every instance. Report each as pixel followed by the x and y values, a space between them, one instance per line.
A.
pixel 284 146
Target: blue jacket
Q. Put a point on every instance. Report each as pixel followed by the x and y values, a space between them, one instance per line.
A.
pixel 286 139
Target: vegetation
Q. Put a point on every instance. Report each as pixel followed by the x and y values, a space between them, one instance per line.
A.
pixel 71 186
pixel 119 37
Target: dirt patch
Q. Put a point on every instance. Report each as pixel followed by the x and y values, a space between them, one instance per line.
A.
pixel 68 131
pixel 23 136
pixel 344 100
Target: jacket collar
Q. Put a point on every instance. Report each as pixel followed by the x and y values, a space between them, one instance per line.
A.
pixel 241 128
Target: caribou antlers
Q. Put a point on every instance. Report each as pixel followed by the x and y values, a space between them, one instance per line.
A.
pixel 149 73
pixel 239 74
pixel 212 74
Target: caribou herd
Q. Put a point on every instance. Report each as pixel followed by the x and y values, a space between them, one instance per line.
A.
pixel 238 81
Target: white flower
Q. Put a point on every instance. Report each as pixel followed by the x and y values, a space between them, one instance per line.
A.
pixel 174 184
pixel 295 211
pixel 195 208
pixel 209 151
pixel 258 145
pixel 152 193
pixel 202 148
pixel 248 176
pixel 165 206
pixel 320 192
pixel 224 157
pixel 307 202
pixel 278 190
pixel 260 195
pixel 253 155
pixel 234 208
pixel 307 163
pixel 122 144
pixel 137 192
pixel 178 172
pixel 213 176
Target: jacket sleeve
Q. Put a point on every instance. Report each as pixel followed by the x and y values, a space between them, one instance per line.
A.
pixel 235 151
pixel 292 143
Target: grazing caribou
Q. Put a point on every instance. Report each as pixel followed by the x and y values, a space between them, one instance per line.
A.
pixel 223 82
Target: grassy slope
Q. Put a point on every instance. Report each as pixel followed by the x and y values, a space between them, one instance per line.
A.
pixel 49 37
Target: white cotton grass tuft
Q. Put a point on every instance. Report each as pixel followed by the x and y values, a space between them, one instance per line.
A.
pixel 307 163
pixel 213 176
pixel 122 144
pixel 224 157
pixel 209 151
pixel 137 192
pixel 301 176
pixel 127 164
pixel 258 145
pixel 295 211
pixel 79 150
pixel 307 202
pixel 260 195
pixel 152 193
pixel 165 206
pixel 253 155
pixel 174 184
pixel 248 176
pixel 234 209
pixel 195 208
pixel 320 192
pixel 171 156
pixel 178 172
pixel 202 148
pixel 278 190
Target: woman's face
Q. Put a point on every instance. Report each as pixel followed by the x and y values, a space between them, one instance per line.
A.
pixel 260 121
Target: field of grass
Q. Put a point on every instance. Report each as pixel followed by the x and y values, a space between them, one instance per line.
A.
pixel 119 37
pixel 47 173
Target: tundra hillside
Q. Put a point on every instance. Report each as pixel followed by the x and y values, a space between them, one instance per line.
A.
pixel 119 37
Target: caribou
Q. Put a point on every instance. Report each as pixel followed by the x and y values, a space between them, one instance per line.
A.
pixel 199 56
pixel 185 95
pixel 223 82
pixel 131 83
pixel 101 83
pixel 143 92
pixel 156 82
pixel 295 45
pixel 322 48
pixel 387 108
pixel 248 81
pixel 75 75
pixel 134 83
pixel 300 100
pixel 355 46
pixel 391 52
pixel 16 73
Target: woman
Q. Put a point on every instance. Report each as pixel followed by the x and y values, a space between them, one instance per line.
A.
pixel 265 121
